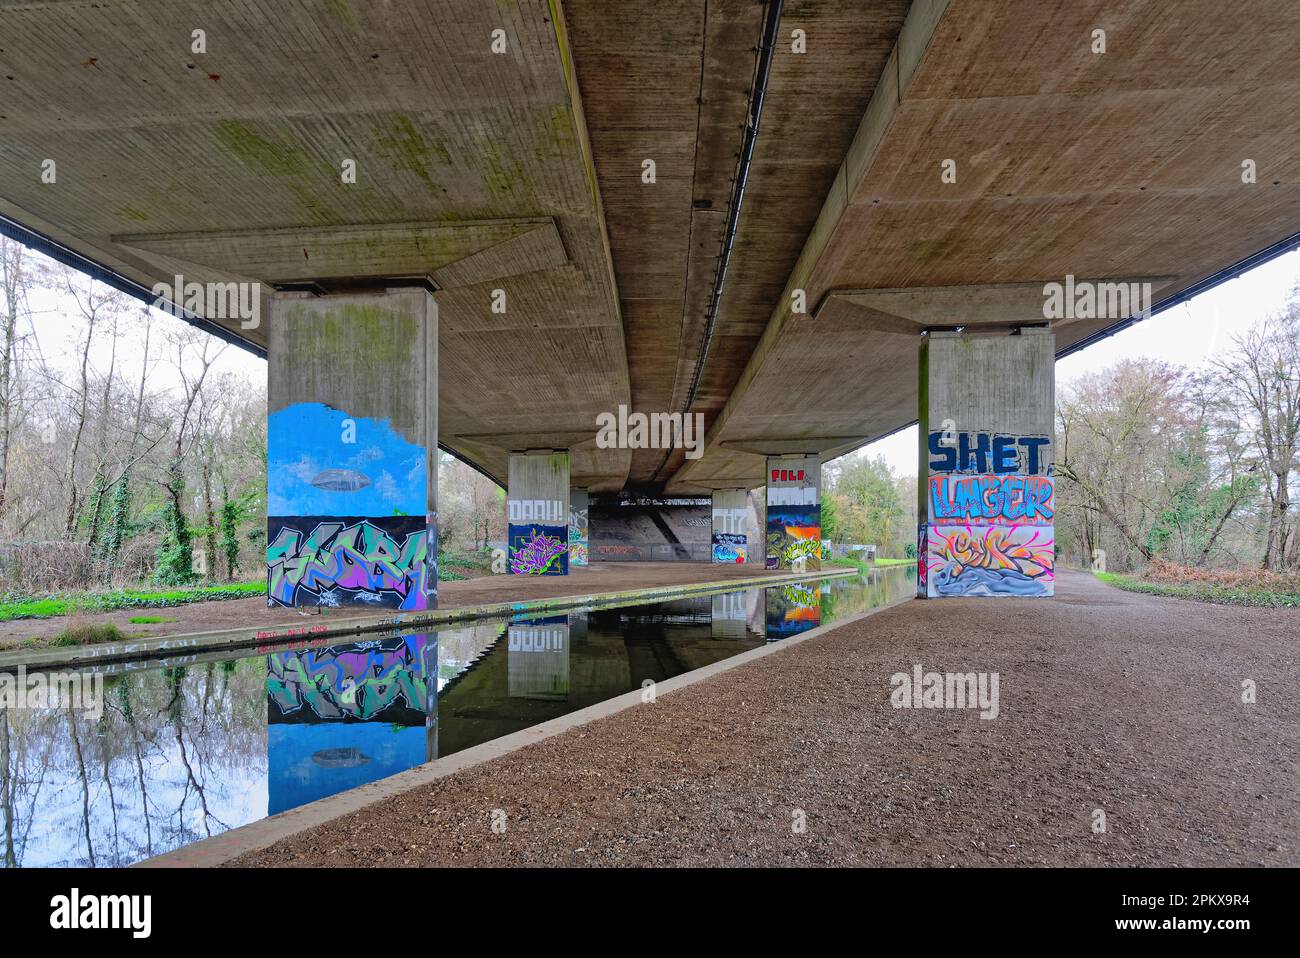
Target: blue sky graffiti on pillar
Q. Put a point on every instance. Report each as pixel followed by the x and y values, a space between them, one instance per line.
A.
pixel 312 471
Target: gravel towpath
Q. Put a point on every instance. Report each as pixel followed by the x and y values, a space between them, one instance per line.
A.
pixel 1108 700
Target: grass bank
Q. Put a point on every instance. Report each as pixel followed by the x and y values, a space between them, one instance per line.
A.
pixel 1279 595
pixel 458 566
pixel 868 566
pixel 46 607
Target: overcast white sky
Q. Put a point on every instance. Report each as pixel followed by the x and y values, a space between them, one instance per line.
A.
pixel 1186 335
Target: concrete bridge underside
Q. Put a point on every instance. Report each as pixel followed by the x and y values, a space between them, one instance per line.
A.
pixel 522 171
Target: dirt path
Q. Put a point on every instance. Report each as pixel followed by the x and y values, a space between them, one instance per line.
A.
pixel 1108 700
pixel 243 613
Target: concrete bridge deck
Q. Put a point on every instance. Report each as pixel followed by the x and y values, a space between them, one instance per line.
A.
pixel 1108 700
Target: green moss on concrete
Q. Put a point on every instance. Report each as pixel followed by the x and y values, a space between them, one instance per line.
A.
pixel 386 334
pixel 501 179
pixel 559 128
pixel 406 147
pixel 341 10
pixel 257 151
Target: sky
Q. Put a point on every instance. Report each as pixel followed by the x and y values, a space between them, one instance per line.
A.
pixel 1187 335
pixel 60 329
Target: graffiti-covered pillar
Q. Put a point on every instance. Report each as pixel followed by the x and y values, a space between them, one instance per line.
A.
pixel 730 509
pixel 794 516
pixel 538 513
pixel 986 495
pixel 352 440
pixel 579 509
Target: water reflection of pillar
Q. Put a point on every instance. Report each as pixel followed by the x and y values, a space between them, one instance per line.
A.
pixel 792 609
pixel 430 670
pixel 730 614
pixel 539 659
pixel 756 600
pixel 344 715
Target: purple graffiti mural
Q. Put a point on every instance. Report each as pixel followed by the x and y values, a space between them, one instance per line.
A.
pixel 323 561
pixel 537 553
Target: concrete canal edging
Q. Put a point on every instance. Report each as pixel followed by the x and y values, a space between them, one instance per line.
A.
pixel 83 655
pixel 223 848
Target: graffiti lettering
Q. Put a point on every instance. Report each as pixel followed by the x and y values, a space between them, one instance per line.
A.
pixel 324 561
pixel 989 560
pixel 729 547
pixel 536 510
pixel 1016 499
pixel 988 452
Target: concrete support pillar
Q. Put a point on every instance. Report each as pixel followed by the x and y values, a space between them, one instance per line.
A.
pixel 579 505
pixel 756 526
pixel 538 513
pixel 352 441
pixel 986 492
pixel 794 515
pixel 730 509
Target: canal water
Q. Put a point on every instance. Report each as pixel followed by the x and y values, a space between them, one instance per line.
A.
pixel 182 748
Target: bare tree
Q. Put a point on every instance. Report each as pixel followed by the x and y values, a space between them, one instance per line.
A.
pixel 13 289
pixel 96 303
pixel 1262 379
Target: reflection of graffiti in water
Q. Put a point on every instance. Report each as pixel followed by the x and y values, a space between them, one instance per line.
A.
pixel 329 562
pixel 792 609
pixel 363 681
pixel 340 758
pixel 342 716
pixel 542 550
pixel 799 595
pixel 990 560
